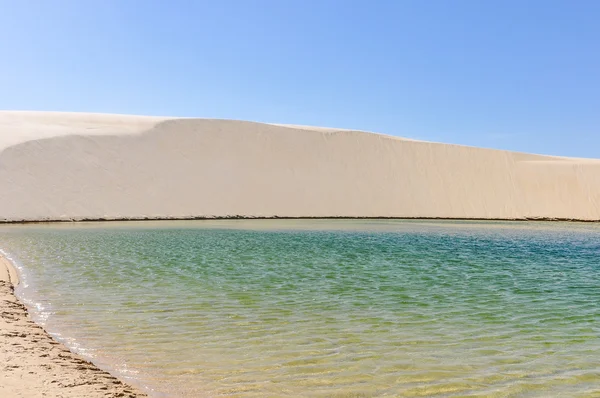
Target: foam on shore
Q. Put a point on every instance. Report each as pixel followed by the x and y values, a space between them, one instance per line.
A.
pixel 67 166
pixel 33 364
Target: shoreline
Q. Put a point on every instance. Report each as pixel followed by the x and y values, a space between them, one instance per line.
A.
pixel 237 217
pixel 34 364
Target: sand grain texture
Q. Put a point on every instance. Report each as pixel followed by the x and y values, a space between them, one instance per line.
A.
pixel 57 166
pixel 32 364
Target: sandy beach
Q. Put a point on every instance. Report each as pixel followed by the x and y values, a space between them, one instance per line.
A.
pixel 32 364
pixel 74 167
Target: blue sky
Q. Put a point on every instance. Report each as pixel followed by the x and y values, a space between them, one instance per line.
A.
pixel 519 75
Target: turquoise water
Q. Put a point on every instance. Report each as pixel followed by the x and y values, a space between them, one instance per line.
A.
pixel 323 308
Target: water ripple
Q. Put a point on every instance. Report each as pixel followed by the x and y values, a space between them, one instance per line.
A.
pixel 324 308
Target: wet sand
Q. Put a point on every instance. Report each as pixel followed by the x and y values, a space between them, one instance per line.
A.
pixel 33 364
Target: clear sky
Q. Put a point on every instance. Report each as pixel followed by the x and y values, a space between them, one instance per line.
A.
pixel 521 75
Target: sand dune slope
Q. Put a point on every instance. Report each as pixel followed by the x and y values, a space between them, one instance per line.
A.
pixel 56 166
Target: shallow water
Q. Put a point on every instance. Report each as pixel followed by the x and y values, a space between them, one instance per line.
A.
pixel 323 308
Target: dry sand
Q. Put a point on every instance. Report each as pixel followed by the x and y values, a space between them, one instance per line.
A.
pixel 32 364
pixel 61 166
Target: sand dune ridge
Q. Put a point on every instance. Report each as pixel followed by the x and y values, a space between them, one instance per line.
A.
pixel 61 166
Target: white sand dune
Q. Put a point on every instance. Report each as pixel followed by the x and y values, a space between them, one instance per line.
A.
pixel 68 166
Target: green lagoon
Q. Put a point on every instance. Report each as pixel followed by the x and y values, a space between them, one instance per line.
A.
pixel 322 308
